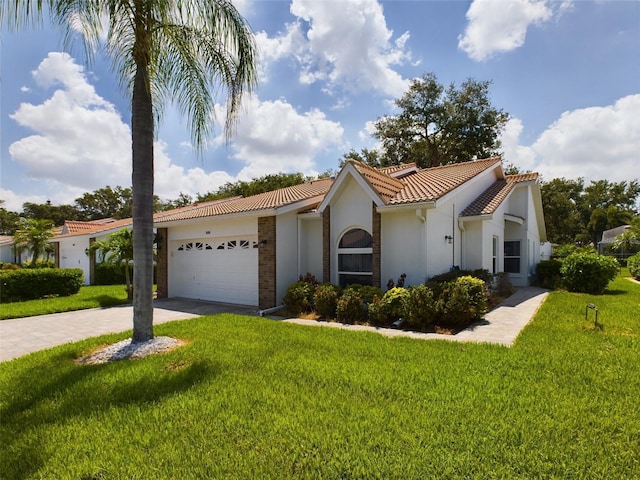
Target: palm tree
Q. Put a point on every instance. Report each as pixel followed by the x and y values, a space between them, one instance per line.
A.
pixel 118 249
pixel 33 234
pixel 175 50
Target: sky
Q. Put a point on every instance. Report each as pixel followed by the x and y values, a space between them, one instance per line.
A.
pixel 566 71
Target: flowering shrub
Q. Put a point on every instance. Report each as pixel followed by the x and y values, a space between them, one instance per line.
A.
pixel 350 308
pixel 419 307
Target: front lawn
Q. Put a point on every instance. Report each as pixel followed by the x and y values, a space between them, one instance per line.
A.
pixel 255 398
pixel 87 297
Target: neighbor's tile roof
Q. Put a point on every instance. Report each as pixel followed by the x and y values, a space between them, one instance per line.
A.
pixel 262 201
pixel 73 227
pixel 493 196
pixel 432 183
pixel 399 170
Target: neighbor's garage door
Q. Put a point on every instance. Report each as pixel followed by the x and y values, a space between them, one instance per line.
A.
pixel 219 270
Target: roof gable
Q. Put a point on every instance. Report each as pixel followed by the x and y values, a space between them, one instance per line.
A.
pixel 498 192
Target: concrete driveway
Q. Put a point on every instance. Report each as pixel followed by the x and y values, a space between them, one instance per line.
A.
pixel 20 336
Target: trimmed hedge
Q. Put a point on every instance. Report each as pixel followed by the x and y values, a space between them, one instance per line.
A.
pixel 633 263
pixel 548 273
pixel 29 284
pixel 588 272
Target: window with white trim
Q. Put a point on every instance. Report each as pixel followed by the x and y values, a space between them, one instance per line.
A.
pixel 494 256
pixel 355 258
pixel 512 256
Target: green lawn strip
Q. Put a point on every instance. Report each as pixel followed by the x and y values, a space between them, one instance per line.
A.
pixel 87 297
pixel 254 398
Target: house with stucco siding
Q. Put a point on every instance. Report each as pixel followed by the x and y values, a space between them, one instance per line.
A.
pixel 364 226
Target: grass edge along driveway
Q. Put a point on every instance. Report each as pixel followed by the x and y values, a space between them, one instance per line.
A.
pixel 253 398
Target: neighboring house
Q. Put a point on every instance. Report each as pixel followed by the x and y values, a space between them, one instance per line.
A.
pixel 71 245
pixel 365 226
pixel 609 236
pixel 7 251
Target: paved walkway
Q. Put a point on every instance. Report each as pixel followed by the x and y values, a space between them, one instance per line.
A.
pixel 21 336
pixel 501 325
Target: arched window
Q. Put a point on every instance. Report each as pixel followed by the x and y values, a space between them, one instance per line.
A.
pixel 355 258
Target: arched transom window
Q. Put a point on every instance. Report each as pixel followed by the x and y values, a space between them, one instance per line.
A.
pixel 355 258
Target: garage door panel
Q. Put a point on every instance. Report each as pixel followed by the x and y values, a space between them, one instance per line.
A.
pixel 221 270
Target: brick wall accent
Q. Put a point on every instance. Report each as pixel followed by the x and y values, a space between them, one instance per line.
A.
pixel 56 253
pixel 326 244
pixel 92 264
pixel 267 262
pixel 162 263
pixel 376 245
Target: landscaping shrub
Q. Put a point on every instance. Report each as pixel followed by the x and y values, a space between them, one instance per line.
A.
pixel 9 266
pixel 502 285
pixel 633 263
pixel 28 284
pixel 326 299
pixel 548 273
pixel 40 263
pixel 366 292
pixel 419 307
pixel 588 272
pixel 299 297
pixel 390 307
pixel 463 301
pixel 480 273
pixel 350 308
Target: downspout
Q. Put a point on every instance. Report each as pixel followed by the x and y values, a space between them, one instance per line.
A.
pixel 462 250
pixel 267 311
pixel 453 234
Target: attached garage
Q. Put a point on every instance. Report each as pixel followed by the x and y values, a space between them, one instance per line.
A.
pixel 223 269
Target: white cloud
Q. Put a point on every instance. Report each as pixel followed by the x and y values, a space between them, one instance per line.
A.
pixel 272 137
pixel 13 201
pixel 594 143
pixel 81 144
pixel 501 26
pixel 521 156
pixel 348 47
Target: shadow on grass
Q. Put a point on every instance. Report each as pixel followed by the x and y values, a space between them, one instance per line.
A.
pixel 63 390
pixel 109 301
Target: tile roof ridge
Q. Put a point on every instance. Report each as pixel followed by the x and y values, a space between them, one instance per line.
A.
pixel 489 160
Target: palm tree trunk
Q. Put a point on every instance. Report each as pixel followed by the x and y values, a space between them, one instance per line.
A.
pixel 142 181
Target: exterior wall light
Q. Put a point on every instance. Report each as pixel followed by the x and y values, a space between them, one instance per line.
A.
pixel 448 238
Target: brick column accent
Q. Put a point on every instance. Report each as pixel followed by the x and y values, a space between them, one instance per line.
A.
pixel 267 262
pixel 162 263
pixel 326 244
pixel 92 263
pixel 376 245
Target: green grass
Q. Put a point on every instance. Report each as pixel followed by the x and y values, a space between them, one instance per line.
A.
pixel 87 297
pixel 255 398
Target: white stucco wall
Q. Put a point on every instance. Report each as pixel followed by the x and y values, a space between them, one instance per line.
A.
pixel 72 254
pixel 286 253
pixel 310 246
pixel 213 228
pixel 442 255
pixel 403 240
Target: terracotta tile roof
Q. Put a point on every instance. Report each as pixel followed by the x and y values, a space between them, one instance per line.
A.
pixel 432 183
pixel 73 227
pixel 263 201
pixel 399 170
pixel 493 196
pixel 386 186
pixel 6 240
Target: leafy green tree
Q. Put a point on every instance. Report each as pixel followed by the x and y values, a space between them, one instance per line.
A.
pixel 438 126
pixel 8 220
pixel 106 202
pixel 47 211
pixel 34 234
pixel 183 200
pixel 266 183
pixel 180 51
pixel 560 199
pixel 118 249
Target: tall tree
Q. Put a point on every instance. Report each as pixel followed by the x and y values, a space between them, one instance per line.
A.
pixel 437 126
pixel 34 234
pixel 106 202
pixel 47 211
pixel 258 185
pixel 8 220
pixel 560 198
pixel 180 51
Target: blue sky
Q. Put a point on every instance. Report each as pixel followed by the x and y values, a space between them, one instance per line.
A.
pixel 567 72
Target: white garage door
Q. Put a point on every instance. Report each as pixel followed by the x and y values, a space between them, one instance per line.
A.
pixel 219 270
